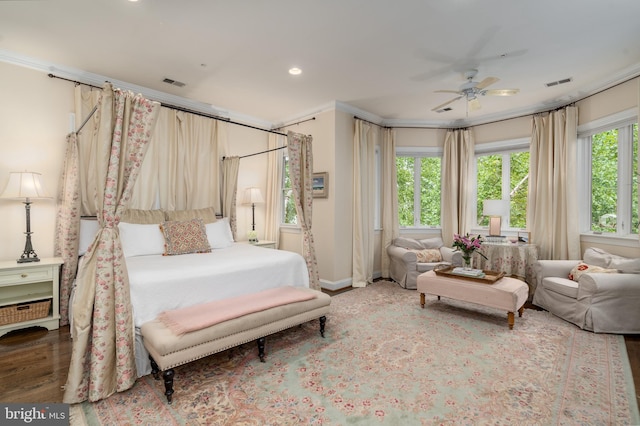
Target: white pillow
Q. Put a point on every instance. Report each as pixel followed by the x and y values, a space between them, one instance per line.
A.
pixel 219 233
pixel 141 240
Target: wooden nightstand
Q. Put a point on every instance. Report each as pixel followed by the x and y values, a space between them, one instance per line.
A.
pixel 28 283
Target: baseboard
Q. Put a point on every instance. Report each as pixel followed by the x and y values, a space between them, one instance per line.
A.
pixel 339 285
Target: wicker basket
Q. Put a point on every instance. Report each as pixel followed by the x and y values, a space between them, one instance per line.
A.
pixel 24 311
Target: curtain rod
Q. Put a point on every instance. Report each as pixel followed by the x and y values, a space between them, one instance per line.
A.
pixel 93 111
pixel 371 122
pixel 177 108
pixel 293 124
pixel 261 152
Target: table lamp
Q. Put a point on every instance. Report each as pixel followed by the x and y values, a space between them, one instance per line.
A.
pixel 25 186
pixel 495 209
pixel 253 196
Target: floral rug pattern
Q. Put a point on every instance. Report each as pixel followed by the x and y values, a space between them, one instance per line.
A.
pixel 387 361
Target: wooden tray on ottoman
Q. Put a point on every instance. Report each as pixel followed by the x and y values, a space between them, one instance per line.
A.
pixel 490 277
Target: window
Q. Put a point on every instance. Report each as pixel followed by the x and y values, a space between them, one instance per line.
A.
pixel 503 176
pixel 611 171
pixel 419 189
pixel 289 213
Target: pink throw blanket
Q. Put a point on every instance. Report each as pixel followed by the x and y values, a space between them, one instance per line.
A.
pixel 197 317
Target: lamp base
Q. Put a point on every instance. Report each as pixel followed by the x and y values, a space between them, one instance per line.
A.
pixel 28 255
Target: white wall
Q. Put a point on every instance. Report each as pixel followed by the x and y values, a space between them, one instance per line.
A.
pixel 34 122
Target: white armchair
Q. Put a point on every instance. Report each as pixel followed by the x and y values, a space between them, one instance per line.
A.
pixel 410 258
pixel 599 302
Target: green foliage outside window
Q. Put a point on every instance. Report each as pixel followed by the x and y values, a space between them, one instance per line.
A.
pixel 605 163
pixel 289 209
pixel 428 208
pixel 604 181
pixel 519 186
pixel 404 168
pixel 430 185
pixel 489 179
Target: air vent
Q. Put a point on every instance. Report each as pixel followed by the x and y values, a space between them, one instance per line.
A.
pixel 555 83
pixel 173 82
pixel 444 109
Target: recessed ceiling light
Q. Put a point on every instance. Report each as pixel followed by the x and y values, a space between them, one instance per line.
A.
pixel 295 71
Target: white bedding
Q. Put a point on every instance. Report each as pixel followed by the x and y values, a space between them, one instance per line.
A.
pixel 159 283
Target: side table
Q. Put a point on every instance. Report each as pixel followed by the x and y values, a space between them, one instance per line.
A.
pixel 24 284
pixel 513 259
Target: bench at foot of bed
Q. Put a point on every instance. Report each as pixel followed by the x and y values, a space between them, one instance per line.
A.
pixel 168 350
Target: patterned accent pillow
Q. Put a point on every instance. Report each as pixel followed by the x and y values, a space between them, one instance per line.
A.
pixel 183 237
pixel 428 255
pixel 583 268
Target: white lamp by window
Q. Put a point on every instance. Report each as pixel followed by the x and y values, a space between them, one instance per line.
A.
pixel 495 209
pixel 25 186
pixel 253 196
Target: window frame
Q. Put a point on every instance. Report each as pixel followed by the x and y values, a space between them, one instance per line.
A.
pixel 623 121
pixel 418 153
pixel 503 148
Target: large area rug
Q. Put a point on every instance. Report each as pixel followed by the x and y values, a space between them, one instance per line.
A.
pixel 387 361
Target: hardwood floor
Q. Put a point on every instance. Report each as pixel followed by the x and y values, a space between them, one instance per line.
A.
pixel 34 364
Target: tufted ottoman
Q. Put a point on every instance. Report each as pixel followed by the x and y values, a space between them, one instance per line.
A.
pixel 508 294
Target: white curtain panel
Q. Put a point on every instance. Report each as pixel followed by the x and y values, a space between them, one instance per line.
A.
pixel 86 99
pixel 638 169
pixel 364 185
pixel 274 194
pixel 552 205
pixel 389 196
pixel 457 192
pixel 230 168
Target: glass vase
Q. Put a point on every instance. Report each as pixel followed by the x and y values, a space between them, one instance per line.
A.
pixel 467 262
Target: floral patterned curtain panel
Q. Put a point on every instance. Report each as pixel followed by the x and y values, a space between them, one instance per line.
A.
pixel 102 359
pixel 301 171
pixel 68 224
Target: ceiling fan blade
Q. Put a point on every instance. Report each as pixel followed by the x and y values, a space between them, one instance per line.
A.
pixel 501 92
pixel 474 104
pixel 486 82
pixel 448 91
pixel 446 103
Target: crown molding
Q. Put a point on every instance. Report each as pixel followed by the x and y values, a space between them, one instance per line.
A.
pixel 178 101
pixel 155 95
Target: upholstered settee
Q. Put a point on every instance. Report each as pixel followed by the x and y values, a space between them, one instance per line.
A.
pixel 600 293
pixel 409 258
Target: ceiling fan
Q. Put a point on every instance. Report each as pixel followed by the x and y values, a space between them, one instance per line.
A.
pixel 473 89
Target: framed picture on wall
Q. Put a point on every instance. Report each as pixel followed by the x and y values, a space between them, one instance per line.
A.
pixel 321 185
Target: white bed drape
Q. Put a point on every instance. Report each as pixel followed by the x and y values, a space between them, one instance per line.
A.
pixel 389 180
pixel 102 359
pixel 274 182
pixel 363 194
pixel 552 204
pixel 230 168
pixel 457 192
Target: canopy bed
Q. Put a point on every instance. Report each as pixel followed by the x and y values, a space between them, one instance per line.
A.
pixel 136 265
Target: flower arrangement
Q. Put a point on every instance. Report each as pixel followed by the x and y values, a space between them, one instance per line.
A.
pixel 467 245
